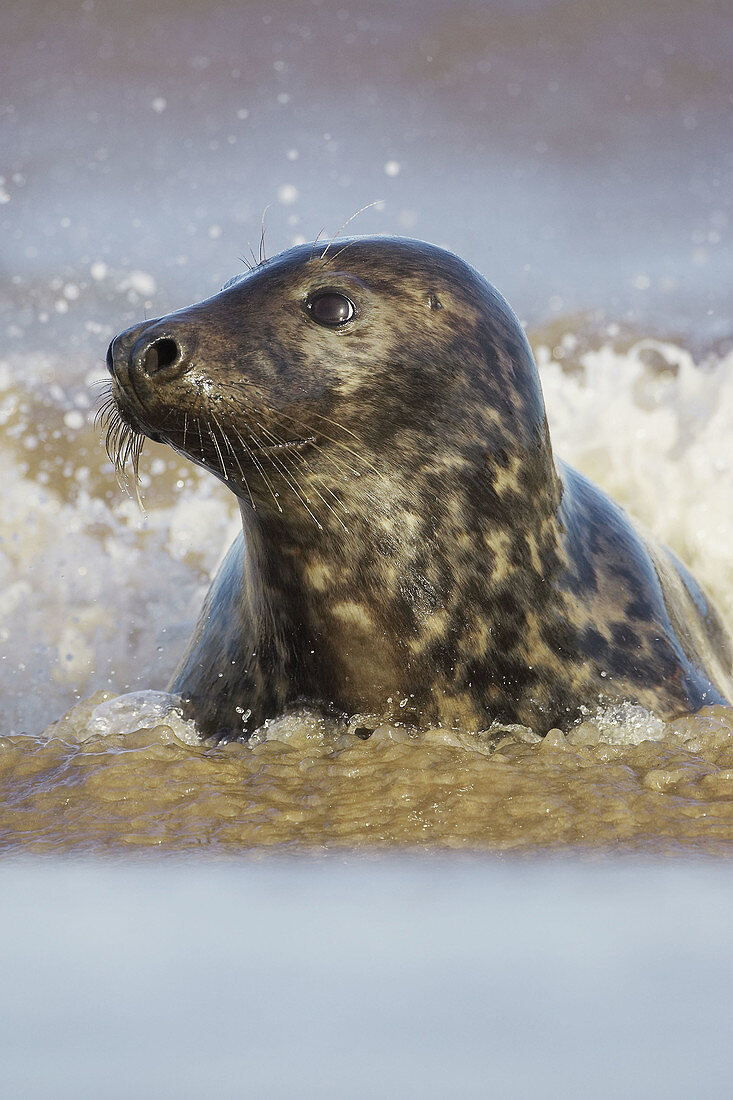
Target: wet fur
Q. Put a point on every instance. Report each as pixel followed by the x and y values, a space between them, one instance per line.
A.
pixel 410 548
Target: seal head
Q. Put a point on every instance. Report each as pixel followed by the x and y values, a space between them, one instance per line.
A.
pixel 410 547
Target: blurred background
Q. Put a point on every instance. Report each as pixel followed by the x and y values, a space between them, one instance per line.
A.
pixel 577 153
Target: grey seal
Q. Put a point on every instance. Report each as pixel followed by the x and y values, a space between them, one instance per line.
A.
pixel 410 548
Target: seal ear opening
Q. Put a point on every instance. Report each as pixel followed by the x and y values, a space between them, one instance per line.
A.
pixel 434 301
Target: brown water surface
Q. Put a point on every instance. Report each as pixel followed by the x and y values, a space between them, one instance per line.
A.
pixel 313 784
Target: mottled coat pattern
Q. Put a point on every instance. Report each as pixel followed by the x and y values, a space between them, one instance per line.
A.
pixel 410 548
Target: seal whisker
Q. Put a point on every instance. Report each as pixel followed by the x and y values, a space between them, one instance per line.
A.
pixel 136 451
pixel 110 442
pixel 217 448
pixel 337 442
pixel 341 251
pixel 115 432
pixel 315 242
pixel 336 424
pixel 228 443
pixel 302 460
pixel 293 456
pixel 315 434
pixel 276 463
pixel 168 415
pixel 105 412
pixel 327 419
pixel 297 457
pixel 263 254
pixel 258 464
pixel 289 475
pixel 124 444
pixel 348 221
pixel 197 422
pixel 309 430
pixel 341 468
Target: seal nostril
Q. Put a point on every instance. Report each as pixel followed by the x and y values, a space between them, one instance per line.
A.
pixel 161 354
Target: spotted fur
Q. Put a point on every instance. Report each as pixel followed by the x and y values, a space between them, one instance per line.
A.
pixel 410 548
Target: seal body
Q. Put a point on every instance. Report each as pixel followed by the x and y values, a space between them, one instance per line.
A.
pixel 410 548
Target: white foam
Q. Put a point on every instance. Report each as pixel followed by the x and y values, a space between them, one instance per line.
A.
pixel 660 443
pixel 93 593
pixel 622 724
pixel 125 714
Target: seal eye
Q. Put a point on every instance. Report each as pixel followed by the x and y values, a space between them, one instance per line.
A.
pixel 331 309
